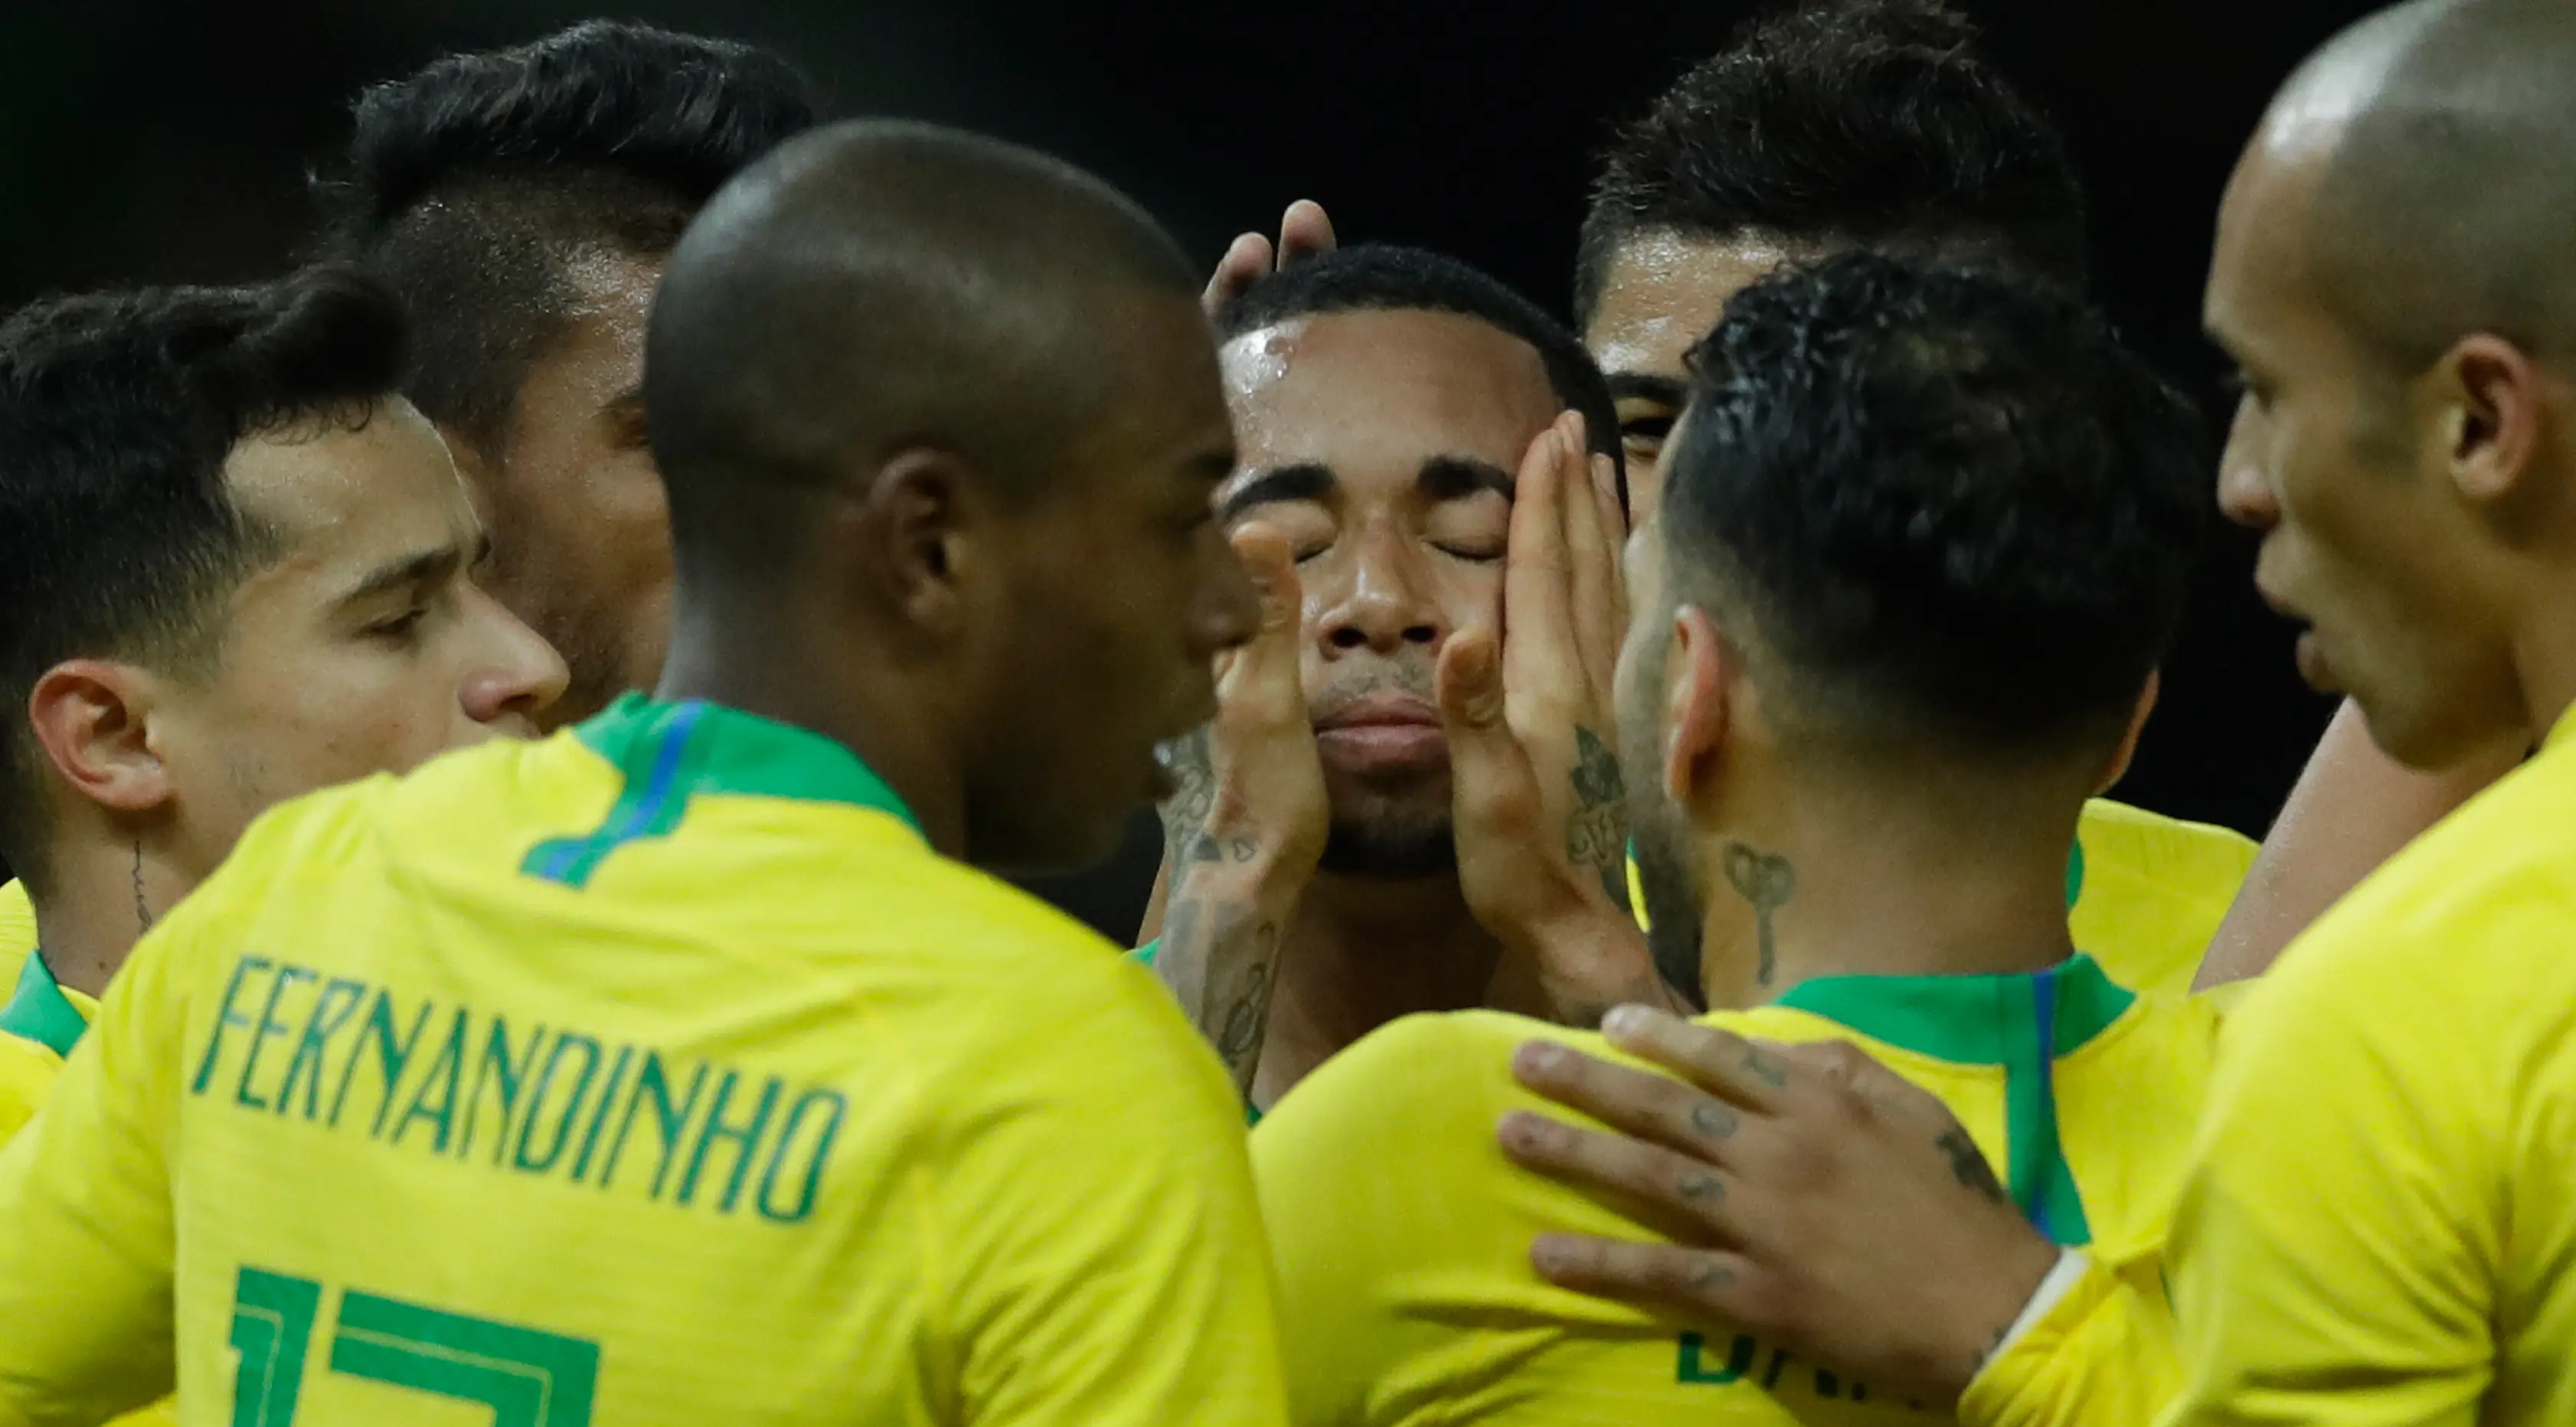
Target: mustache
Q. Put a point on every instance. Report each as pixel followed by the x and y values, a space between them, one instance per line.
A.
pixel 1370 680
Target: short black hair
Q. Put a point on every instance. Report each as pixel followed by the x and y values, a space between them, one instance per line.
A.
pixel 1958 513
pixel 119 535
pixel 1385 277
pixel 877 284
pixel 1838 123
pixel 472 185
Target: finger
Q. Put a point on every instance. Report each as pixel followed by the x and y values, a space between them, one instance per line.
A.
pixel 1493 791
pixel 1848 1067
pixel 1593 572
pixel 1636 1102
pixel 1720 1062
pixel 1305 231
pixel 1261 679
pixel 1672 1194
pixel 1614 535
pixel 1702 1285
pixel 1537 642
pixel 1246 260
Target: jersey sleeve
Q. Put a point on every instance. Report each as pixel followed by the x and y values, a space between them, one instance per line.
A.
pixel 2334 1246
pixel 86 1252
pixel 2102 1356
pixel 1100 1243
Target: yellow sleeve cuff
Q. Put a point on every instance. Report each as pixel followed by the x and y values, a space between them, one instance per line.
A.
pixel 2099 1354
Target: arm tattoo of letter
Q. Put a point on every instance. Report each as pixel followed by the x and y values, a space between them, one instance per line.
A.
pixel 1970 1165
pixel 1768 882
pixel 1597 836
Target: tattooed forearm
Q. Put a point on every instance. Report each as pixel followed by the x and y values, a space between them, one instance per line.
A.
pixel 1191 760
pixel 1220 959
pixel 1969 1164
pixel 1596 838
pixel 1768 882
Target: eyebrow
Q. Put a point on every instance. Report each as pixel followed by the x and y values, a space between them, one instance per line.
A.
pixel 1458 477
pixel 1306 480
pixel 1671 391
pixel 412 571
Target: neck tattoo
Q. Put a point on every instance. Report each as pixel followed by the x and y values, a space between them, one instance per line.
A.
pixel 1767 881
pixel 142 910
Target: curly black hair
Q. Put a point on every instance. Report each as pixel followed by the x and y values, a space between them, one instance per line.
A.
pixel 1956 510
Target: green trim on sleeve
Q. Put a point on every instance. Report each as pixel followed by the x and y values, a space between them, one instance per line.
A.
pixel 1144 955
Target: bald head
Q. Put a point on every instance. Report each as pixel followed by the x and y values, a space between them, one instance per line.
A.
pixel 2438 142
pixel 877 286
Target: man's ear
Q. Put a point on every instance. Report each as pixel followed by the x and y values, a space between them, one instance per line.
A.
pixel 93 719
pixel 2492 431
pixel 1699 676
pixel 918 518
pixel 2128 749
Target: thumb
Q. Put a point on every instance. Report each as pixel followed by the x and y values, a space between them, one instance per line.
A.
pixel 1263 673
pixel 1470 680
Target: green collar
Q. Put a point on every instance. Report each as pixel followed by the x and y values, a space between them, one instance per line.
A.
pixel 669 753
pixel 1971 1020
pixel 40 1012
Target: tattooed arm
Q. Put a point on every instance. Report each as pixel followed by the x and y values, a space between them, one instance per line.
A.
pixel 1244 826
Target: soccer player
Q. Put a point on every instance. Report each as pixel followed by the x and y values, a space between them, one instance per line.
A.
pixel 1874 124
pixel 1385 398
pixel 1924 536
pixel 239 568
pixel 701 1073
pixel 523 202
pixel 2382 1202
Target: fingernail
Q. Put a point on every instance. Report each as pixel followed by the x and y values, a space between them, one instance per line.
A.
pixel 1549 1255
pixel 1626 1021
pixel 1541 1058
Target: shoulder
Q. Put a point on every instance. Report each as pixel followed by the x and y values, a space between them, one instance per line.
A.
pixel 27 1071
pixel 1407 1100
pixel 2164 847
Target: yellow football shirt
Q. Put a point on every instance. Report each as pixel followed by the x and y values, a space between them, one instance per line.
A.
pixel 39 1025
pixel 17 931
pixel 655 1073
pixel 2380 1224
pixel 2144 892
pixel 1402 1234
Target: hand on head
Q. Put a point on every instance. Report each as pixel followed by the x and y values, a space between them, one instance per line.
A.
pixel 1304 231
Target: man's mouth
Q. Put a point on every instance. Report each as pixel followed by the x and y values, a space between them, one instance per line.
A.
pixel 1383 733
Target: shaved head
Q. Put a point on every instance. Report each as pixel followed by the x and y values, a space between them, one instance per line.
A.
pixel 874 286
pixel 2444 132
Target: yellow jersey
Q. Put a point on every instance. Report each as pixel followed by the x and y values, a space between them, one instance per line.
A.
pixel 655 1073
pixel 2144 891
pixel 39 1025
pixel 17 931
pixel 2380 1222
pixel 1402 1234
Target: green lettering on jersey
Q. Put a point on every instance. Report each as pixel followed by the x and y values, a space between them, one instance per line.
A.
pixel 444 1071
pixel 393 1054
pixel 330 1013
pixel 1693 1368
pixel 538 1110
pixel 272 1322
pixel 599 1117
pixel 835 1107
pixel 497 1065
pixel 225 1016
pixel 746 1140
pixel 654 1081
pixel 527 1377
pixel 269 1027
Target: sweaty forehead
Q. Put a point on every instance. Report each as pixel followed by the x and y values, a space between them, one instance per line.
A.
pixel 1663 292
pixel 1373 394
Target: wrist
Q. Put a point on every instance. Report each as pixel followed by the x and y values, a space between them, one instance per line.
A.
pixel 1241 869
pixel 2026 1283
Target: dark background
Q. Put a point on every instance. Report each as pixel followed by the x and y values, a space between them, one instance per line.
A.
pixel 168 142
